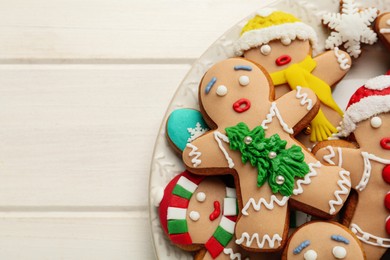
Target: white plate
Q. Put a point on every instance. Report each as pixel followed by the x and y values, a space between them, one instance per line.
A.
pixel 374 61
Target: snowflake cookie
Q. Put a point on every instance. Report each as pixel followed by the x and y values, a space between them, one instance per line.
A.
pixel 351 27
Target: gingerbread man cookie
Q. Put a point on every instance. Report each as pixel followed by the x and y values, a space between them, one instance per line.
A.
pixel 323 240
pixel 251 138
pixel 382 27
pixel 367 121
pixel 283 45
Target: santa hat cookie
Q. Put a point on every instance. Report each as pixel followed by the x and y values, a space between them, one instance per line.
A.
pixel 269 25
pixel 369 100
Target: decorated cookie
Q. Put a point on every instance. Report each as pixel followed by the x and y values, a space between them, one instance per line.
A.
pixel 323 240
pixel 183 126
pixel 367 121
pixel 382 27
pixel 351 27
pixel 251 138
pixel 197 212
pixel 283 45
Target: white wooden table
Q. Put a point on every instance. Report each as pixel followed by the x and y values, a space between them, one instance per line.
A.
pixel 84 85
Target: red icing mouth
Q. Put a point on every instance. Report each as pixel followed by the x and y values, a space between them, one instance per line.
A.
pixel 283 60
pixel 385 143
pixel 241 105
pixel 217 211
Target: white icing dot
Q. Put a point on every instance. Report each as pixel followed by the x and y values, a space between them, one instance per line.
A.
pixel 376 122
pixel 286 41
pixel 244 80
pixel 310 255
pixel 194 215
pixel 339 252
pixel 200 196
pixel 265 49
pixel 222 90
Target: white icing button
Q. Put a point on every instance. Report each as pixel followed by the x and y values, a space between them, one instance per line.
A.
pixel 265 49
pixel 339 252
pixel 248 140
pixel 244 80
pixel 310 255
pixel 286 41
pixel 200 196
pixel 194 215
pixel 222 90
pixel 376 122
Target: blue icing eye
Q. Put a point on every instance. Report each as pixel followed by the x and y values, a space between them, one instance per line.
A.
pixel 185 125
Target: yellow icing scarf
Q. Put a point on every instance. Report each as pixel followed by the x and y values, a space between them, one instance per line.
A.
pixel 300 75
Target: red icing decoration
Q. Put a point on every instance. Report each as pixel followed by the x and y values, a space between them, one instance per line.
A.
pixel 385 143
pixel 241 105
pixel 386 174
pixel 363 92
pixel 179 202
pixel 217 211
pixel 387 201
pixel 283 60
pixel 181 239
pixel 388 226
pixel 214 247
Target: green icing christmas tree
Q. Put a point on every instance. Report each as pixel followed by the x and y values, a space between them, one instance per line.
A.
pixel 275 164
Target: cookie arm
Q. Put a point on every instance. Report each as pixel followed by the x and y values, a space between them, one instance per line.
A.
pixel 332 66
pixel 209 152
pixel 296 109
pixel 342 154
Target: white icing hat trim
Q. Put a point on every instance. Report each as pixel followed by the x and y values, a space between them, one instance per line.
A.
pixel 364 109
pixel 255 38
pixel 265 12
pixel 378 83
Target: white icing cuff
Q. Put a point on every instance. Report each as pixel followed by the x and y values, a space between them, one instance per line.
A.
pixel 266 239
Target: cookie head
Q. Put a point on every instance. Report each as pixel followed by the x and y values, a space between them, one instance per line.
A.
pixel 278 55
pixel 233 91
pixel 368 115
pixel 193 208
pixel 323 240
pixel 275 40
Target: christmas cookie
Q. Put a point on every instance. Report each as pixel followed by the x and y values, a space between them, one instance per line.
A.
pixel 197 212
pixel 183 126
pixel 323 240
pixel 382 27
pixel 251 139
pixel 283 45
pixel 367 123
pixel 351 27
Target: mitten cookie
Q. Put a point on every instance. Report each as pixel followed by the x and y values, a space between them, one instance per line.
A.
pixel 282 44
pixel 382 27
pixel 367 120
pixel 323 240
pixel 251 138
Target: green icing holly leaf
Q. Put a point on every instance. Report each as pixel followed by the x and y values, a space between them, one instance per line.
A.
pixel 275 164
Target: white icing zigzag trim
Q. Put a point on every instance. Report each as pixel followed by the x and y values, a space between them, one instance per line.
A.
pixel 328 158
pixel 345 186
pixel 304 98
pixel 255 236
pixel 262 201
pixel 366 237
pixel 194 152
pixel 307 179
pixel 231 254
pixel 367 169
pixel 274 111
pixel 341 59
pixel 218 136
